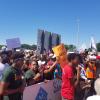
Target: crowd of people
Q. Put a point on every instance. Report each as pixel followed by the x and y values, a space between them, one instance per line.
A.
pixel 79 75
pixel 19 69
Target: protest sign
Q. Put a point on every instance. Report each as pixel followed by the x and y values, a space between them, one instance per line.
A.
pixel 61 54
pixel 13 43
pixel 43 91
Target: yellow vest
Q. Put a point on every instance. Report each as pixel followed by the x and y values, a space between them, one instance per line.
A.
pixel 91 72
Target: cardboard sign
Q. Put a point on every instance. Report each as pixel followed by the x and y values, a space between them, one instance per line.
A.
pixel 13 43
pixel 61 54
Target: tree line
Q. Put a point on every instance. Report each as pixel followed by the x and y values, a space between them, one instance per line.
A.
pixel 69 47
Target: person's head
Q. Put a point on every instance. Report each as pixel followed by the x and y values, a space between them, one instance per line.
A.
pixel 27 62
pixel 97 86
pixel 34 58
pixel 10 53
pixel 19 62
pixel 43 57
pixel 80 58
pixel 5 60
pixel 34 66
pixel 31 53
pixel 73 59
pixel 92 62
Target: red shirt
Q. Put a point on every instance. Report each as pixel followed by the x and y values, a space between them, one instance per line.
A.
pixel 67 90
pixel 97 57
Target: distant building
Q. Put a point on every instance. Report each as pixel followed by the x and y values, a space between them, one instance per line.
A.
pixel 46 40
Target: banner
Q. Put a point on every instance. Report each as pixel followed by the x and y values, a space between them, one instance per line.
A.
pixel 61 54
pixel 44 91
pixel 93 45
pixel 13 43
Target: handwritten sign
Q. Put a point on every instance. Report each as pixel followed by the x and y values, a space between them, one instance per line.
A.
pixel 61 54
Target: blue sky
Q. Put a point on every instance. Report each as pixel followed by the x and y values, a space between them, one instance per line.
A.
pixel 22 18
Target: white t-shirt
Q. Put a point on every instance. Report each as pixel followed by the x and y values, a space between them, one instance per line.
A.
pixel 2 68
pixel 95 97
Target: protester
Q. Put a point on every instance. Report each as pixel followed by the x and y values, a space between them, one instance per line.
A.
pixel 70 77
pixel 11 85
pixel 98 69
pixel 20 68
pixel 4 64
pixel 58 72
pixel 48 71
pixel 2 67
pixel 32 76
pixel 26 65
pixel 91 76
pixel 79 91
pixel 97 89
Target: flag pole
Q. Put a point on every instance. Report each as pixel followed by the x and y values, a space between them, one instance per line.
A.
pixel 78 30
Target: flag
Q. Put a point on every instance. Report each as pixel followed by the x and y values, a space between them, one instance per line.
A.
pixel 93 44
